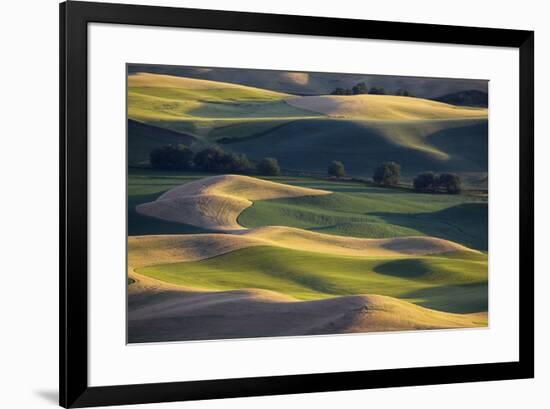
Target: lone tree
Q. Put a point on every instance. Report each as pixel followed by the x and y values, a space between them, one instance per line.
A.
pixel 426 182
pixel 172 157
pixel 269 167
pixel 387 174
pixel 451 183
pixel 336 169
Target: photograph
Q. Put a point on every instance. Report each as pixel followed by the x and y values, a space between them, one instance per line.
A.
pixel 264 203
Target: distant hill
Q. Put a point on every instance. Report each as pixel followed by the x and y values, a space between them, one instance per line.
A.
pixel 470 98
pixel 316 83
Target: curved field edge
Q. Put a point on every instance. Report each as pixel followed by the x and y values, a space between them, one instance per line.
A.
pixel 354 210
pixel 217 201
pixel 450 284
pixel 377 215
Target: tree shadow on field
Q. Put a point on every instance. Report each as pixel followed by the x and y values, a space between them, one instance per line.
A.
pixel 406 268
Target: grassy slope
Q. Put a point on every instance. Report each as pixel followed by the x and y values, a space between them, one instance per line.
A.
pixel 189 105
pixel 447 284
pixel 359 211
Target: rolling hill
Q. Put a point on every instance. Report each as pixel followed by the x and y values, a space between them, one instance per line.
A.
pixel 306 133
pixel 232 256
pixel 217 201
pixel 383 107
pixel 352 210
pixel 309 145
pixel 305 275
pixel 286 271
pixel 177 315
pixel 314 83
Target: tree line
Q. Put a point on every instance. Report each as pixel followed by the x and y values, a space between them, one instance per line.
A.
pixel 215 159
pixel 211 159
pixel 389 174
pixel 362 88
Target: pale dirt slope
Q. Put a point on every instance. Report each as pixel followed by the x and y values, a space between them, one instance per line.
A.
pixel 216 202
pixel 169 315
pixel 383 107
pixel 150 250
pixel 293 238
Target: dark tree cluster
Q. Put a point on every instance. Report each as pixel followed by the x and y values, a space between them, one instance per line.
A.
pixel 172 157
pixel 357 89
pixel 387 174
pixel 269 167
pixel 212 159
pixel 429 182
pixel 377 91
pixel 341 91
pixel 215 159
pixel 361 88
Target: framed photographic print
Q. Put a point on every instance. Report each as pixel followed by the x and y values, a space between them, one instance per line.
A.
pixel 259 204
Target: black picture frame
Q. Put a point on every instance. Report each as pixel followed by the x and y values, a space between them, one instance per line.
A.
pixel 73 379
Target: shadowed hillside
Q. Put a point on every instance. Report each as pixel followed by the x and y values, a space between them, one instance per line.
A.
pixel 143 138
pixel 471 98
pixel 309 145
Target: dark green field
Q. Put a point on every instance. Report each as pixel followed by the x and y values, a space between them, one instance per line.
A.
pixel 309 145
